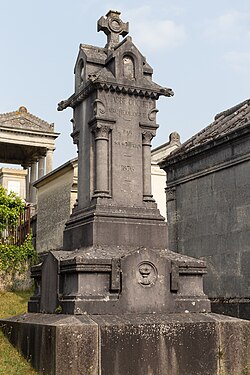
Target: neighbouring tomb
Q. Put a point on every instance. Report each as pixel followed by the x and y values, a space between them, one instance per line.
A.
pixel 28 141
pixel 56 197
pixel 14 180
pixel 208 200
pixel 158 175
pixel 126 301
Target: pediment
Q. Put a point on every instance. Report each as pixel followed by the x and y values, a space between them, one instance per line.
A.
pixel 23 120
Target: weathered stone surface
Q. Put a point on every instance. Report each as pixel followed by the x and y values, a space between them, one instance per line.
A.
pixel 55 344
pixel 132 344
pixel 112 280
pixel 114 123
pixel 56 196
pixel 190 344
pixel 115 257
pixel 208 213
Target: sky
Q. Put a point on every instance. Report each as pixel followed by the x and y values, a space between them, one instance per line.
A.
pixel 200 49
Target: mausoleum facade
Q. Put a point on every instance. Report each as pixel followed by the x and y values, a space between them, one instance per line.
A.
pixel 28 141
pixel 208 205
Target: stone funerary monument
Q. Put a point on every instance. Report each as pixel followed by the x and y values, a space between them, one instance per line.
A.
pixel 126 302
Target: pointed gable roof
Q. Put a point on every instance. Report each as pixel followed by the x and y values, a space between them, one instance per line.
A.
pixel 23 120
pixel 104 70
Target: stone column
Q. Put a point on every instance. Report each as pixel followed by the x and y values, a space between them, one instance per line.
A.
pixel 33 177
pixel 27 182
pixel 101 159
pixel 41 166
pixel 49 161
pixel 147 137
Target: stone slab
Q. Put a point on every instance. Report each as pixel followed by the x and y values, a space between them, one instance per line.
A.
pixel 55 344
pixel 132 344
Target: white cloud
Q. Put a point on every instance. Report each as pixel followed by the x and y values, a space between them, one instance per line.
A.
pixel 160 35
pixel 152 32
pixel 230 26
pixel 239 61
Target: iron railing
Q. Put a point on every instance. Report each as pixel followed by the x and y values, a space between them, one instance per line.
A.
pixel 16 235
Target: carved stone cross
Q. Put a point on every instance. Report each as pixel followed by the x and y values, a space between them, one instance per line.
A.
pixel 113 27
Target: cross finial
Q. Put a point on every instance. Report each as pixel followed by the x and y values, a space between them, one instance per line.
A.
pixel 113 27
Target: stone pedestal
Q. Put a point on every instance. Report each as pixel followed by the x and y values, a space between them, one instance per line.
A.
pixel 113 280
pixel 129 344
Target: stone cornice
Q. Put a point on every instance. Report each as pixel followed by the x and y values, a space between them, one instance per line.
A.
pixel 148 92
pixel 179 157
pixel 32 132
pixel 207 171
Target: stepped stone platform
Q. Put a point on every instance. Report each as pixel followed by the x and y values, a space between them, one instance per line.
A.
pixel 129 344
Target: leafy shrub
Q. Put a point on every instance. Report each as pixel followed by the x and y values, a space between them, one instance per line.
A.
pixel 14 258
pixel 10 208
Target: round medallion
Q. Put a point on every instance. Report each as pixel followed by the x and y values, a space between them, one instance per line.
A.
pixel 115 25
pixel 146 274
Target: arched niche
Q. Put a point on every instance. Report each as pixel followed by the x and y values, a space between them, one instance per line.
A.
pixel 128 66
pixel 80 76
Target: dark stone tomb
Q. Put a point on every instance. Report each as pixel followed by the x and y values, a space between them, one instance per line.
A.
pixel 127 304
pixel 208 203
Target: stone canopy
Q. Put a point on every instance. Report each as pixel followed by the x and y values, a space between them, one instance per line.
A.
pixel 29 141
pixel 24 138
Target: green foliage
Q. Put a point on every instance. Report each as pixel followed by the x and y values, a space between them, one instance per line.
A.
pixel 12 363
pixel 58 310
pixel 10 208
pixel 14 258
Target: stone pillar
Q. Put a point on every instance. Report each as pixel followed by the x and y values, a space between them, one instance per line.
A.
pixel 27 182
pixel 33 177
pixel 41 166
pixel 172 218
pixel 147 137
pixel 101 133
pixel 49 161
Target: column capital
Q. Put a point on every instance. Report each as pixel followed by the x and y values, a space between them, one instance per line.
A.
pixel 101 131
pixel 147 136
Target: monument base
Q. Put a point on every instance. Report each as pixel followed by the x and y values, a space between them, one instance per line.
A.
pixel 152 344
pixel 111 225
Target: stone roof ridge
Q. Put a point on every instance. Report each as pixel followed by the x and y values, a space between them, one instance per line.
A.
pixel 224 124
pixel 90 50
pixel 23 112
pixel 232 110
